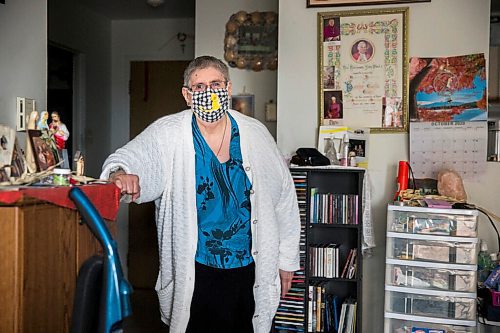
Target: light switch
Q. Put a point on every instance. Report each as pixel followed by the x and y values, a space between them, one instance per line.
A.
pixel 271 111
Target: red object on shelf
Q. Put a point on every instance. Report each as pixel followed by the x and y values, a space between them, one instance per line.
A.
pixel 495 297
pixel 402 178
pixel 105 197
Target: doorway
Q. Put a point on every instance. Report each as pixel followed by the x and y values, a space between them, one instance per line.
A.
pixel 155 91
pixel 60 92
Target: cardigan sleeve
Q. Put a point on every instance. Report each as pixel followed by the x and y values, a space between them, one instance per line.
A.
pixel 143 156
pixel 287 213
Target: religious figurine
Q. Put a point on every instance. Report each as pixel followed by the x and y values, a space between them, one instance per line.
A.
pixel 79 164
pixel 42 121
pixel 59 130
pixel 30 155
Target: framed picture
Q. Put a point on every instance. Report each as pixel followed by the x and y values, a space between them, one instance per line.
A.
pixel 251 41
pixel 363 66
pixel 18 165
pixel 45 157
pixel 333 112
pixel 7 140
pixel 244 104
pixel 333 3
pixel 448 89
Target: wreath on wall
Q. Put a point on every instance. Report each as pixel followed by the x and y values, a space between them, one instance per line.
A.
pixel 251 41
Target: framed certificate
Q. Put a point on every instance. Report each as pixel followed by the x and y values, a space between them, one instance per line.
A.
pixel 363 69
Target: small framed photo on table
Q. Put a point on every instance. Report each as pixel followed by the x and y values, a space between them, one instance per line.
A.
pixel 45 157
pixel 244 103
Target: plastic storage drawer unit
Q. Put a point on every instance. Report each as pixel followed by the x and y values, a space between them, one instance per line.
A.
pixel 445 222
pixel 409 326
pixel 453 250
pixel 431 270
pixel 424 275
pixel 429 303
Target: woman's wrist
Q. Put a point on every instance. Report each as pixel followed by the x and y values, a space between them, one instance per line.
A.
pixel 114 173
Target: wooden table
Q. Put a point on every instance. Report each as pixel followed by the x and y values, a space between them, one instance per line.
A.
pixel 42 246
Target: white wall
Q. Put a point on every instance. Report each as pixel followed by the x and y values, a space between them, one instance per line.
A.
pixel 135 40
pixel 89 36
pixel 141 40
pixel 211 19
pixel 435 29
pixel 23 57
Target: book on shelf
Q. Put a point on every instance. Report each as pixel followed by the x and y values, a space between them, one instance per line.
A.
pixel 349 270
pixel 347 323
pixel 319 318
pixel 324 260
pixel 329 208
pixel 342 318
pixel 310 309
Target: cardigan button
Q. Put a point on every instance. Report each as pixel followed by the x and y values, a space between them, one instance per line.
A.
pixel 254 221
pixel 252 191
pixel 247 168
pixel 255 253
pixel 256 316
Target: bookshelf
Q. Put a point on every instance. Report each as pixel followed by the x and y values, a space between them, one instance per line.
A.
pixel 326 292
pixel 431 270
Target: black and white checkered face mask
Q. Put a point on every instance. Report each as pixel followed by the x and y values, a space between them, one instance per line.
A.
pixel 210 105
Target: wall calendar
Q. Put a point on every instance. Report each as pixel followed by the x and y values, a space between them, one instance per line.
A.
pixel 460 146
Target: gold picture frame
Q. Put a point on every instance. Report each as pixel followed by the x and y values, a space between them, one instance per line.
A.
pixel 251 41
pixel 363 69
pixel 333 3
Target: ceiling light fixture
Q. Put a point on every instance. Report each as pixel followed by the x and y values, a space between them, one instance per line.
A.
pixel 155 3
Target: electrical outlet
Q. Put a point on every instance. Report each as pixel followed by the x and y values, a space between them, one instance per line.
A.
pixel 24 106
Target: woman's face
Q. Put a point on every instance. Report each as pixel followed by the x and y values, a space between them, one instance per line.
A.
pixel 204 76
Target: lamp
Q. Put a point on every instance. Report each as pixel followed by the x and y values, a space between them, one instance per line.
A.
pixel 155 3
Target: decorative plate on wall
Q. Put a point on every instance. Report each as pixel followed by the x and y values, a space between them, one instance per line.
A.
pixel 251 41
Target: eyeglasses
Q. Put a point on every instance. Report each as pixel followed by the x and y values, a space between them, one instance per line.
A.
pixel 200 87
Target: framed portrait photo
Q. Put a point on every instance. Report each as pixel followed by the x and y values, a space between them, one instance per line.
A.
pixel 363 72
pixel 333 3
pixel 244 103
pixel 45 157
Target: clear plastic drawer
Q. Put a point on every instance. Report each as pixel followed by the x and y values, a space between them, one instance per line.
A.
pixel 409 326
pixel 446 222
pixel 435 276
pixel 445 305
pixel 438 249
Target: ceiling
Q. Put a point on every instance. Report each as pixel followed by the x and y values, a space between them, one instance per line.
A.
pixel 139 9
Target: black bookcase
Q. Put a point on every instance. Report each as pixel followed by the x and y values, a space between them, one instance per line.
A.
pixel 331 232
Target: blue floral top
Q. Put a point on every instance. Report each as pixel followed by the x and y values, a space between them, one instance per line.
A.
pixel 223 204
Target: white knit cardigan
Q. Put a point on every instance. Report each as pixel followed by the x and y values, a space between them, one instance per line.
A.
pixel 163 157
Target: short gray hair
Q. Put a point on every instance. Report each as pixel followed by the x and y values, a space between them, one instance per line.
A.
pixel 202 63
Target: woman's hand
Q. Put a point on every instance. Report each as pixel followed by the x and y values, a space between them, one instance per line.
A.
pixel 128 184
pixel 286 281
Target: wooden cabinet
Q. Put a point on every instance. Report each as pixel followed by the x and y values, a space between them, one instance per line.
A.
pixel 42 247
